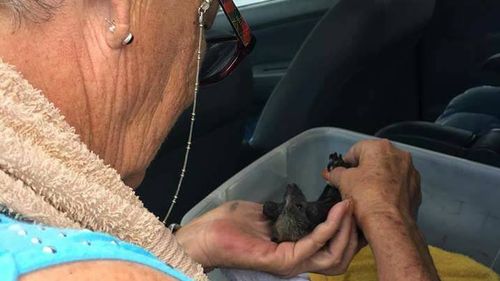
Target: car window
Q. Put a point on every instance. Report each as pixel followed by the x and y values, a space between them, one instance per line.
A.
pixel 247 2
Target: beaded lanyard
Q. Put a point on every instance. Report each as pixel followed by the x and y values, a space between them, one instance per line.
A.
pixel 201 15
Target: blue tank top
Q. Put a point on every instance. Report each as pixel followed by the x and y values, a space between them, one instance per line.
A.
pixel 26 247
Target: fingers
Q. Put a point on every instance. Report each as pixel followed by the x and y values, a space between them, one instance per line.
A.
pixel 352 249
pixel 333 177
pixel 353 155
pixel 339 243
pixel 342 250
pixel 336 257
pixel 309 253
pixel 313 242
pixel 359 151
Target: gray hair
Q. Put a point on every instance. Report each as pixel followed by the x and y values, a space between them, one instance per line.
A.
pixel 33 10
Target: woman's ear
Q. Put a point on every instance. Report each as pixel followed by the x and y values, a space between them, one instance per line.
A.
pixel 118 31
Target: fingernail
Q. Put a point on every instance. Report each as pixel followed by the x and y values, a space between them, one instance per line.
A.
pixel 348 203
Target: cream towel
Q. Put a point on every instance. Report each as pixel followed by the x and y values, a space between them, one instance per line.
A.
pixel 47 174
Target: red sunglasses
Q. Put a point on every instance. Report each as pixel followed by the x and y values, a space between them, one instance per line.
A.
pixel 223 55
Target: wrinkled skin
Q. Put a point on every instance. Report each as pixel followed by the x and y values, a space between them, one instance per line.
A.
pixel 122 102
pixel 237 235
pixel 385 189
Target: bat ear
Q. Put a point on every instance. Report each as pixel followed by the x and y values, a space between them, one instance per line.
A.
pixel 314 213
pixel 317 212
pixel 330 193
pixel 272 210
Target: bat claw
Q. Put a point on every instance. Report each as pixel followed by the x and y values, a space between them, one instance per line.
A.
pixel 335 161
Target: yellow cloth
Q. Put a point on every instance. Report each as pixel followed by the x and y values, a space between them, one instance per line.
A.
pixel 450 266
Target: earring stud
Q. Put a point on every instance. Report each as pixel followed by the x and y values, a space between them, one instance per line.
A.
pixel 128 40
pixel 112 28
pixel 112 25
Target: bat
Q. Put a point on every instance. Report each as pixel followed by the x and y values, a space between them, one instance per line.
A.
pixel 295 217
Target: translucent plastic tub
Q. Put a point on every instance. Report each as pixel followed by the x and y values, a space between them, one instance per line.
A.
pixel 460 210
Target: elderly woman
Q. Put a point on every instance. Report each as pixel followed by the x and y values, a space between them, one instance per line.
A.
pixel 88 92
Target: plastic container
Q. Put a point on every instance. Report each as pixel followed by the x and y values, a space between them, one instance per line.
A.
pixel 460 210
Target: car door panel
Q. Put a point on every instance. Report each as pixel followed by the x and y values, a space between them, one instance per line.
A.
pixel 280 26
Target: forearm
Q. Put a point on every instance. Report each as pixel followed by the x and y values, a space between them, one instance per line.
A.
pixel 400 250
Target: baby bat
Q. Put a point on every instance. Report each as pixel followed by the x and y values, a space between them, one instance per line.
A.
pixel 295 217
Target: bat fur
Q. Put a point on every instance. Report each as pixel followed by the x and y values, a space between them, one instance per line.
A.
pixel 295 217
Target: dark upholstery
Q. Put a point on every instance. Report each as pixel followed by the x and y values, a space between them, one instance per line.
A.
pixel 477 110
pixel 492 64
pixel 350 37
pixel 468 128
pixel 459 39
pixel 449 140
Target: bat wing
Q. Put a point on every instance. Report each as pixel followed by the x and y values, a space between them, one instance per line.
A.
pixel 330 193
pixel 318 211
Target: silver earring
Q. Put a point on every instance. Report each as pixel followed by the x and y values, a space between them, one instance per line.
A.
pixel 112 25
pixel 128 40
pixel 112 28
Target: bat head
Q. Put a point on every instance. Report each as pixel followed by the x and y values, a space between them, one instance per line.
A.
pixel 295 217
pixel 289 218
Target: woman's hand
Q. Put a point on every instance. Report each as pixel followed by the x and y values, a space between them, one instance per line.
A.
pixel 237 235
pixel 385 189
pixel 383 182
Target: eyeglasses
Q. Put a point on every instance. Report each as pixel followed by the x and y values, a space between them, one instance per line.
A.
pixel 224 54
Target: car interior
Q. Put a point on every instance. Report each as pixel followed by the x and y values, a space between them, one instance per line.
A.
pixel 420 72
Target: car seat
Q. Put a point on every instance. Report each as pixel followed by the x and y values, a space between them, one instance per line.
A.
pixel 326 79
pixel 468 128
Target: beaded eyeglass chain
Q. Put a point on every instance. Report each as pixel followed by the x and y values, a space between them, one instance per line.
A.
pixel 205 5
